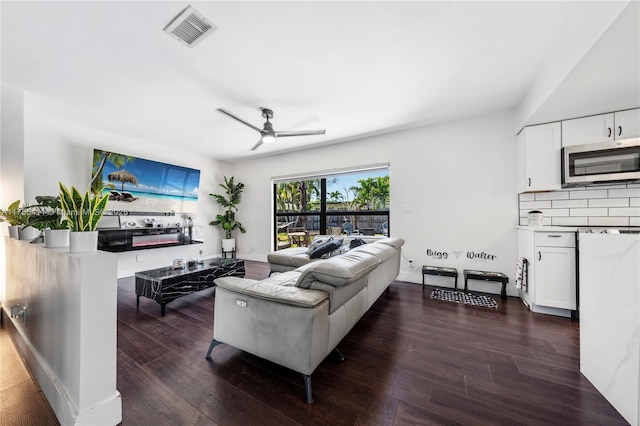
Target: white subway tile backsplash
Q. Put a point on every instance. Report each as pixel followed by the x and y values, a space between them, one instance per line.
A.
pixel 537 205
pixel 601 211
pixel 569 221
pixel 609 202
pixel 608 221
pixel 629 192
pixel 557 204
pixel 554 212
pixel 604 205
pixel 624 211
pixel 557 195
pixel 590 193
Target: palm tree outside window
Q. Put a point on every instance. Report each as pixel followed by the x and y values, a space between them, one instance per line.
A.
pixel 340 204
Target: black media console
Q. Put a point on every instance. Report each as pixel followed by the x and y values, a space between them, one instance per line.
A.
pixel 117 240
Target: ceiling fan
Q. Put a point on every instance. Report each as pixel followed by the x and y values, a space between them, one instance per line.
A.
pixel 267 134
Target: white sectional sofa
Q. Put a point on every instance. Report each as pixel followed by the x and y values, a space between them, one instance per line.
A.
pixel 297 318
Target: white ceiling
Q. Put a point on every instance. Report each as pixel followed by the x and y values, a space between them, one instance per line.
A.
pixel 354 68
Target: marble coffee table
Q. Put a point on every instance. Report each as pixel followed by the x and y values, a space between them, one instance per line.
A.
pixel 167 284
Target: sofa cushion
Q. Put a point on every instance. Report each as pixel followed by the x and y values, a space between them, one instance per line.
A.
pixel 381 251
pixel 340 270
pixel 393 242
pixel 295 256
pixel 325 248
pixel 293 296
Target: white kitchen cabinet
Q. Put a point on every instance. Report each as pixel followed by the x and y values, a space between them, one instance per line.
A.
pixel 601 128
pixel 552 271
pixel 539 158
pixel 627 124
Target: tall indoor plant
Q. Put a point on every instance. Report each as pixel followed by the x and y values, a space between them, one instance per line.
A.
pixel 83 211
pixel 227 221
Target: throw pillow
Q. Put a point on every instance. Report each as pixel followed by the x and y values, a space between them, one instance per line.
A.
pixel 325 248
pixel 317 241
pixel 356 242
pixel 340 250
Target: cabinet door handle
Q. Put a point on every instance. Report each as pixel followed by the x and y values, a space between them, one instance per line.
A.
pixel 554 236
pixel 609 129
pixel 539 255
pixel 619 130
pixel 529 181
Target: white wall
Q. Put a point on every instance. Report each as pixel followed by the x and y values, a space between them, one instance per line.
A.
pixel 11 159
pixel 456 180
pixel 57 149
pixel 453 186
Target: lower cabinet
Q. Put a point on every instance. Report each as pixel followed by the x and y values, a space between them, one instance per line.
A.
pixel 551 280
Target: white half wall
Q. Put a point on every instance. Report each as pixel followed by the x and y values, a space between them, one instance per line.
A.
pixel 453 190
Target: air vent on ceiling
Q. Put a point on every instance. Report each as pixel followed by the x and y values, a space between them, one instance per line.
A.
pixel 189 27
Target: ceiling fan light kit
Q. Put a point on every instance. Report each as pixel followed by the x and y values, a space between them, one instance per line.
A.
pixel 267 134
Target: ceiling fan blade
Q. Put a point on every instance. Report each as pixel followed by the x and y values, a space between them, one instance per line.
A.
pixel 257 145
pixel 240 120
pixel 300 133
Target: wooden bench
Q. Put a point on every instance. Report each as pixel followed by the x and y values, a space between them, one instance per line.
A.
pixel 487 276
pixel 441 271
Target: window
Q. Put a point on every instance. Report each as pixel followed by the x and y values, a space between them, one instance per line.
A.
pixel 338 204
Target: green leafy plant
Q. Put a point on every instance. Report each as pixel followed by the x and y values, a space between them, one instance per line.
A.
pixel 47 213
pixel 83 211
pixel 15 215
pixel 229 201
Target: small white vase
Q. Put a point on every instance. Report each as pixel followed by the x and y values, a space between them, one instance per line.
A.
pixel 13 231
pixel 56 238
pixel 80 242
pixel 28 233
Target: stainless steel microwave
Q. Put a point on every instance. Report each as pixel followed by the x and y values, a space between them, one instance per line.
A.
pixel 614 161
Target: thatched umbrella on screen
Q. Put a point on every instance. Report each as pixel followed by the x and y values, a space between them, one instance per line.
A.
pixel 123 176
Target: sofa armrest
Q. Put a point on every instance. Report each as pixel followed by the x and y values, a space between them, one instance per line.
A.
pixel 294 296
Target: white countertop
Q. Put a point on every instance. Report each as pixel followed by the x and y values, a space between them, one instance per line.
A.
pixel 549 228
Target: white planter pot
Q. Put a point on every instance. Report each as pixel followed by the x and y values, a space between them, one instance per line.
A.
pixel 28 233
pixel 56 238
pixel 80 242
pixel 13 231
pixel 228 245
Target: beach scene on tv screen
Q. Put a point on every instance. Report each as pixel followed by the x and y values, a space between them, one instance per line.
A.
pixel 137 185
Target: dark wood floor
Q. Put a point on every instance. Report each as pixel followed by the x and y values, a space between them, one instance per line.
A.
pixel 410 360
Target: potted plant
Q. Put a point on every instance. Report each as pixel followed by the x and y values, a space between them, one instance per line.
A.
pixel 16 217
pixel 227 221
pixel 83 211
pixel 47 216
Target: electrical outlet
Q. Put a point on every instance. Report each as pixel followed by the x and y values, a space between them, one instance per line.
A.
pixel 139 258
pixel 200 252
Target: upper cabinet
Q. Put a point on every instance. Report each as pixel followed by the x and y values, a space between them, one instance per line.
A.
pixel 601 128
pixel 539 158
pixel 627 124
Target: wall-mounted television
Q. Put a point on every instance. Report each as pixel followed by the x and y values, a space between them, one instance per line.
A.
pixel 137 186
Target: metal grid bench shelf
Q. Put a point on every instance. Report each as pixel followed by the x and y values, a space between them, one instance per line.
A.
pixel 487 276
pixel 440 271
